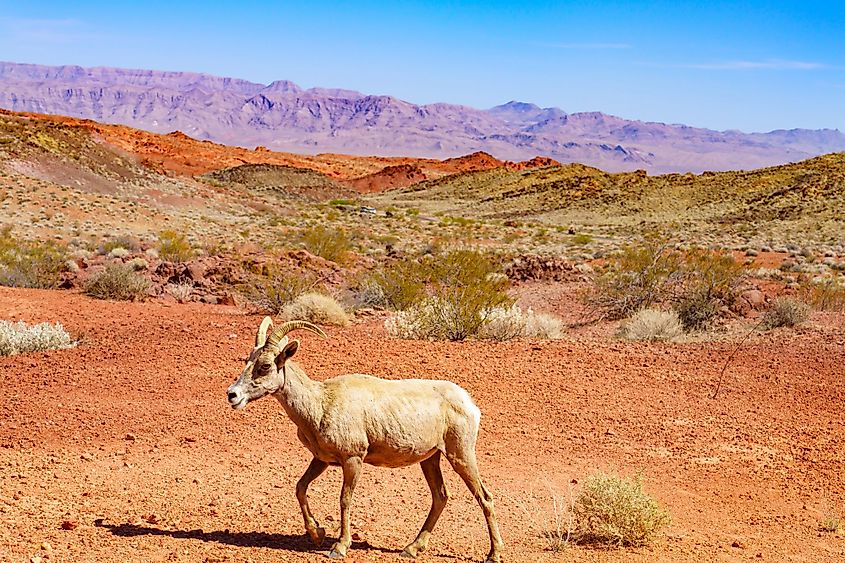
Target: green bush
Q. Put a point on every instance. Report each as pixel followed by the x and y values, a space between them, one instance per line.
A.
pixel 331 244
pixel 709 281
pixel 174 247
pixel 615 511
pixel 785 311
pixel 464 287
pixel 119 282
pixel 30 263
pixel 403 283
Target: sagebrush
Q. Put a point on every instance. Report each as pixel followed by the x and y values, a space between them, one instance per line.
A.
pixel 329 243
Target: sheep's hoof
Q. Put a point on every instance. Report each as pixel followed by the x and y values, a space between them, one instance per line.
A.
pixel 317 536
pixel 407 554
pixel 338 551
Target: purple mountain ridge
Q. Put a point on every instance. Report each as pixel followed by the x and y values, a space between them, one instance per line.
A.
pixel 283 116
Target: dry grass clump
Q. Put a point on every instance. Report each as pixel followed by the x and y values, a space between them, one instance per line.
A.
pixel 30 263
pixel 174 247
pixel 316 308
pixel 785 311
pixel 506 323
pixel 331 244
pixel 18 338
pixel 652 325
pixel 615 511
pixel 119 282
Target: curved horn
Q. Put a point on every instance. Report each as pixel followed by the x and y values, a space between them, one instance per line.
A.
pixel 261 337
pixel 278 335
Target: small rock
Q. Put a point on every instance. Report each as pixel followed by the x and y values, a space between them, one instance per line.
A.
pixel 738 544
pixel 87 457
pixel 152 519
pixel 36 559
pixel 130 436
pixel 46 547
pixel 69 524
pixel 356 536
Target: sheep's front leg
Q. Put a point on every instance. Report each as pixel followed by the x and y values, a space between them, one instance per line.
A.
pixel 315 469
pixel 351 472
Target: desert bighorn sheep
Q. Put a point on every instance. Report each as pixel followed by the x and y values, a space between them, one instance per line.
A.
pixel 355 419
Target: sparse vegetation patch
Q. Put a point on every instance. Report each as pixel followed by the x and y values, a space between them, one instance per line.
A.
pixel 785 312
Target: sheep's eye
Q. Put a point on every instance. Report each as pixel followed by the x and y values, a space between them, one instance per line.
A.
pixel 261 371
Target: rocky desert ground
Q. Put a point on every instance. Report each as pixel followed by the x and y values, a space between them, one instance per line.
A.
pixel 123 447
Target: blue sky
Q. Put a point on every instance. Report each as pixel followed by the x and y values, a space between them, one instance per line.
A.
pixel 752 66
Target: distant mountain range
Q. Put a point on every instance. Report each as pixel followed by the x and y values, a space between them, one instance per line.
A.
pixel 284 117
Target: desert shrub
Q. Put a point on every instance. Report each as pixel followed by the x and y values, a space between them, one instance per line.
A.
pixel 505 323
pixel 651 325
pixel 138 264
pixel 466 287
pixel 316 308
pixel 406 324
pixel 831 524
pixel 708 281
pixel 331 244
pixel 369 293
pixel 448 296
pixel 696 310
pixel 174 247
pixel 785 311
pixel 125 242
pixel 615 511
pixel 271 292
pixel 641 276
pixel 117 281
pixel 180 291
pixel 403 283
pixel 30 263
pixel 827 295
pixel 18 338
pixel 118 252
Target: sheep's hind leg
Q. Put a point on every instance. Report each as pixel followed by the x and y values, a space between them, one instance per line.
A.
pixel 312 527
pixel 351 472
pixel 439 496
pixel 466 466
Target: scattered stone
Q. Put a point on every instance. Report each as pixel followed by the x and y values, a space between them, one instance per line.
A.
pixel 738 544
pixel 130 436
pixel 87 457
pixel 69 524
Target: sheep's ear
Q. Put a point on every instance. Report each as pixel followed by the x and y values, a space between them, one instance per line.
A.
pixel 286 353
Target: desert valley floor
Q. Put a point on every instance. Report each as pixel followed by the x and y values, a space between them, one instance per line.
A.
pixel 124 448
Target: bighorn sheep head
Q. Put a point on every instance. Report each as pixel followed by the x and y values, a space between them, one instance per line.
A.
pixel 264 372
